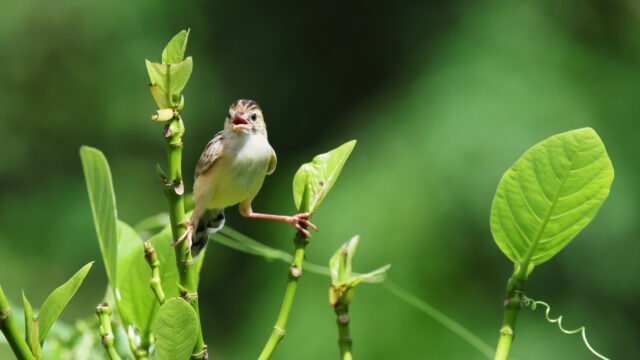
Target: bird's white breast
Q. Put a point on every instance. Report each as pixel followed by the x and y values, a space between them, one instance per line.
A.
pixel 241 169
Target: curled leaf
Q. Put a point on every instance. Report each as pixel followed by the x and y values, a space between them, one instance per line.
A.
pixel 340 262
pixel 340 266
pixel 163 115
pixel 158 96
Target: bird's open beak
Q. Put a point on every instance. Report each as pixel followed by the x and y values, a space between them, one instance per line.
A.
pixel 240 123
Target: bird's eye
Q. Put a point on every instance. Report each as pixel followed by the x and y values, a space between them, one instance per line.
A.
pixel 253 117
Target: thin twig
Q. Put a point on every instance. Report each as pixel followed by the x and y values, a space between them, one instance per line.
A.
pixel 108 340
pixel 295 271
pixel 156 282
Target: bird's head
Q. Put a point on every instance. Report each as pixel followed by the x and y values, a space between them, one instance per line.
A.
pixel 245 117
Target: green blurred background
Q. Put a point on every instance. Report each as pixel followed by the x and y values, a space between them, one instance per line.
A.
pixel 442 96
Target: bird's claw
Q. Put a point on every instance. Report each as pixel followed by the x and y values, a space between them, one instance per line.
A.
pixel 188 234
pixel 301 223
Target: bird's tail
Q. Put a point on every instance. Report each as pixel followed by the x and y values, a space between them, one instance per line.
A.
pixel 211 221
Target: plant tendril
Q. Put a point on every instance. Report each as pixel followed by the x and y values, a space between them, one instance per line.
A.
pixel 532 304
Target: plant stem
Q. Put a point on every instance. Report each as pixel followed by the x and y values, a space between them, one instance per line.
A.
pixel 10 330
pixel 512 305
pixel 108 340
pixel 344 336
pixel 174 190
pixel 295 271
pixel 156 282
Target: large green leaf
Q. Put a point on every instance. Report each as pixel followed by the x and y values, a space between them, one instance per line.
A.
pixel 58 299
pixel 176 330
pixel 137 304
pixel 174 51
pixel 103 205
pixel 314 180
pixel 549 195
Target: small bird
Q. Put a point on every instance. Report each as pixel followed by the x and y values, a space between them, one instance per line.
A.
pixel 231 171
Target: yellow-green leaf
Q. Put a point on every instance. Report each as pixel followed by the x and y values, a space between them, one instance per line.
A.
pixel 169 78
pixel 313 180
pixel 103 205
pixel 340 262
pixel 136 302
pixel 58 299
pixel 174 51
pixel 549 195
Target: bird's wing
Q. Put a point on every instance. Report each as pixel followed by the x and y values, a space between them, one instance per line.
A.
pixel 210 154
pixel 272 163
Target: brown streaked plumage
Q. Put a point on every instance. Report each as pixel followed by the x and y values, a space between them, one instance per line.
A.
pixel 231 171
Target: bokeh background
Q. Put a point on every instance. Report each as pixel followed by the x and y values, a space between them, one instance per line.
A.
pixel 442 96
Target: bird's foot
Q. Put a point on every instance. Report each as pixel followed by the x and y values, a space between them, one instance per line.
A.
pixel 188 234
pixel 300 222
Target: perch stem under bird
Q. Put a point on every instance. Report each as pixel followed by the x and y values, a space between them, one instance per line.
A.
pixel 231 171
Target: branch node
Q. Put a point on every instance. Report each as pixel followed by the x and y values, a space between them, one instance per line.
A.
pixel 179 188
pixel 296 271
pixel 506 330
pixel 4 315
pixel 279 330
pixel 343 318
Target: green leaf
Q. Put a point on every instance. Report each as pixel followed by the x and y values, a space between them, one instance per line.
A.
pixel 313 180
pixel 180 73
pixel 341 265
pixel 152 223
pixel 374 276
pixel 549 195
pixel 340 262
pixel 176 330
pixel 174 51
pixel 136 302
pixel 169 77
pixel 58 299
pixel 103 205
pixel 29 316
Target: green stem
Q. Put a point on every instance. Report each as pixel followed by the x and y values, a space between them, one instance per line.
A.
pixel 10 330
pixel 512 305
pixel 295 271
pixel 108 340
pixel 174 190
pixel 156 282
pixel 344 336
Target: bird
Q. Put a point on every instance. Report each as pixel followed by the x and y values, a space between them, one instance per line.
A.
pixel 231 171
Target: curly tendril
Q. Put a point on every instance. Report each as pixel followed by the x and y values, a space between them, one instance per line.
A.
pixel 528 302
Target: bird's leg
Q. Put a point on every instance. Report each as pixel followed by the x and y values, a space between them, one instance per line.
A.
pixel 188 234
pixel 299 221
